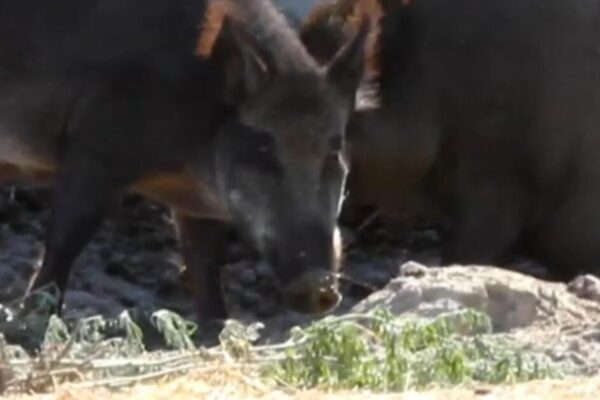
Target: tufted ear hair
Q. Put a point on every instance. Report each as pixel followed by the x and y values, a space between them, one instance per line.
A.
pixel 245 64
pixel 344 35
pixel 247 69
pixel 347 69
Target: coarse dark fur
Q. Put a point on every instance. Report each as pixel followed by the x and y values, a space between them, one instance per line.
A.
pixel 212 107
pixel 489 113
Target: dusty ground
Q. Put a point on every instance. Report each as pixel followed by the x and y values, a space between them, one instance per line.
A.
pixel 133 263
pixel 228 384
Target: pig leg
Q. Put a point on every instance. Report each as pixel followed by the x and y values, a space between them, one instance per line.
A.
pixel 489 220
pixel 82 194
pixel 568 239
pixel 204 246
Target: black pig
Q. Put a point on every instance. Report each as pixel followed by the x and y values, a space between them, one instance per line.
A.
pixel 230 122
pixel 489 111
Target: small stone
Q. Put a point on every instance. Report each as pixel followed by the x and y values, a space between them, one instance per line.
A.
pixel 250 298
pixel 414 269
pixel 267 287
pixel 237 252
pixel 266 308
pixel 114 267
pixel 156 242
pixel 11 285
pixel 25 269
pixel 247 276
pixel 20 227
pixel 263 269
pixel 586 287
pixel 234 287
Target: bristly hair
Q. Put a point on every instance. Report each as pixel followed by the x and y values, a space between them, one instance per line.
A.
pixel 343 18
pixel 346 16
pixel 261 20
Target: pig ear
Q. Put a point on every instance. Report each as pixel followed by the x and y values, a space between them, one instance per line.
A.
pixel 347 69
pixel 246 69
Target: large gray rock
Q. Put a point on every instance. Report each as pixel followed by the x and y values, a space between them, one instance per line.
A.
pixel 512 300
pixel 586 287
pixel 552 316
pixel 547 315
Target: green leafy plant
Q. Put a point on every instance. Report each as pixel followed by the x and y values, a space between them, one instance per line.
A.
pixel 381 352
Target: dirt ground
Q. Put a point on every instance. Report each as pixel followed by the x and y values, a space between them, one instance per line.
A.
pixel 227 384
pixel 134 263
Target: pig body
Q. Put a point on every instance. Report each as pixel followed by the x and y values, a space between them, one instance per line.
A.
pixel 490 115
pixel 201 105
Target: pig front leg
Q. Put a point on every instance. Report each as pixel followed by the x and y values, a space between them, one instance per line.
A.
pixel 488 221
pixel 83 192
pixel 204 248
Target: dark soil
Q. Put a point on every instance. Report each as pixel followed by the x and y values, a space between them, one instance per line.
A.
pixel 133 263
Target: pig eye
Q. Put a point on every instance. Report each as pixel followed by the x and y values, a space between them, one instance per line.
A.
pixel 258 151
pixel 256 141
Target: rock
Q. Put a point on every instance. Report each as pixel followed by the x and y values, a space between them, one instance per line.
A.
pixel 133 261
pixel 439 307
pixel 247 276
pixel 234 287
pixel 22 227
pixel 266 307
pixel 376 272
pixel 250 298
pixel 512 300
pixel 412 268
pixel 546 316
pixel 25 269
pixel 263 269
pixel 12 285
pixel 586 287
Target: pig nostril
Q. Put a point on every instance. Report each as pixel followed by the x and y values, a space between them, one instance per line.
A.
pixel 327 299
pixel 314 293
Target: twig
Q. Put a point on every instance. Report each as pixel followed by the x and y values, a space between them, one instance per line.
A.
pixel 126 381
pixel 369 220
pixel 108 363
pixel 68 346
pixel 67 372
pixel 353 281
pixel 35 375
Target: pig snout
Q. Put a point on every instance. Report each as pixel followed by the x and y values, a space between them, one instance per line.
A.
pixel 314 292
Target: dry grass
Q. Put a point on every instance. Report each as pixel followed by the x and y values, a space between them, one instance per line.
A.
pixel 336 352
pixel 230 383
